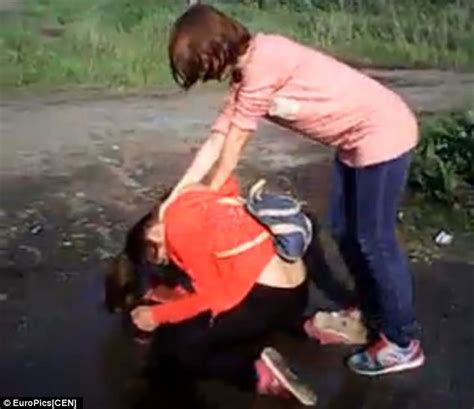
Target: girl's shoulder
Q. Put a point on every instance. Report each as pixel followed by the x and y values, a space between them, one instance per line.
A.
pixel 276 43
pixel 285 49
pixel 272 54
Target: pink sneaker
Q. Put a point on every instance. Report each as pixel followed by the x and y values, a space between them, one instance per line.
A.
pixel 276 378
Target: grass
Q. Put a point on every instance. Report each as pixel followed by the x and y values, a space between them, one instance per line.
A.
pixel 103 44
pixel 441 181
pixel 122 43
pixel 443 166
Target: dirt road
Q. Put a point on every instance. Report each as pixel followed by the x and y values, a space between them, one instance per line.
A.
pixel 76 170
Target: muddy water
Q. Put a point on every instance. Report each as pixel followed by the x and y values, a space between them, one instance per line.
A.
pixel 75 172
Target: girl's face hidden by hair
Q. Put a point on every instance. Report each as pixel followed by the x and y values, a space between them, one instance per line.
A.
pixel 156 252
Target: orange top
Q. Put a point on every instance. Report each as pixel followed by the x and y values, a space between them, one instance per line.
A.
pixel 199 228
pixel 318 96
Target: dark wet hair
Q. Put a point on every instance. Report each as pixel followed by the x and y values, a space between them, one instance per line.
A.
pixel 122 285
pixel 129 274
pixel 137 247
pixel 138 250
pixel 204 43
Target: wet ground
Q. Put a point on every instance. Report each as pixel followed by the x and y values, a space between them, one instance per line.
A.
pixel 77 170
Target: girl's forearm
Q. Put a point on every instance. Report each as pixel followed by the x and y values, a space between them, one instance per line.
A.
pixel 200 167
pixel 203 162
pixel 229 157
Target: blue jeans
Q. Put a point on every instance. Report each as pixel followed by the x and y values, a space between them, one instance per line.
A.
pixel 364 203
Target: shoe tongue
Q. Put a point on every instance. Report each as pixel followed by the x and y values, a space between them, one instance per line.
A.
pixel 377 346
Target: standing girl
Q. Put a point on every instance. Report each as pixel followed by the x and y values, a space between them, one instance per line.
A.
pixel 313 94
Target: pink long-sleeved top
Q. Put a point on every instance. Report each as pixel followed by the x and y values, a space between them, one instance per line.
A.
pixel 314 94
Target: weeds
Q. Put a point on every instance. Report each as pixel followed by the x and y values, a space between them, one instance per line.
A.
pixel 442 186
pixel 116 43
pixel 443 166
pixel 111 43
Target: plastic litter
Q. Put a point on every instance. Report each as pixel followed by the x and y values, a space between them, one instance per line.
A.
pixel 443 238
pixel 36 229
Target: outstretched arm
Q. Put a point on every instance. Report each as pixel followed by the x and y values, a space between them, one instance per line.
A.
pixel 232 148
pixel 200 167
pixel 207 155
pixel 203 162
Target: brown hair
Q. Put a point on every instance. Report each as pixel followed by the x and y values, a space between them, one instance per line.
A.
pixel 204 44
pixel 127 274
pixel 123 284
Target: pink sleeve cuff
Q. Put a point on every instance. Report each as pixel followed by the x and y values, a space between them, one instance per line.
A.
pixel 244 123
pixel 221 124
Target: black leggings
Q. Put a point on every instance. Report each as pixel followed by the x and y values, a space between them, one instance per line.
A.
pixel 227 347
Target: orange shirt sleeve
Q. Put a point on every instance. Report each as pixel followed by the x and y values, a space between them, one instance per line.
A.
pixel 189 245
pixel 175 311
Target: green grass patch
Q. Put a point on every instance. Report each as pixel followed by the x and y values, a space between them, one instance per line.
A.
pixel 108 43
pixel 443 164
pixel 122 43
pixel 441 184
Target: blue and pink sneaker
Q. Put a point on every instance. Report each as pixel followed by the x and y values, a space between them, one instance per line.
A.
pixel 385 357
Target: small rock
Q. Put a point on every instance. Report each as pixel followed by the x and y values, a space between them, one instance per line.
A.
pixel 3 297
pixel 36 229
pixel 400 216
pixel 443 238
pixel 80 195
pixel 67 243
pixel 115 147
pixel 27 256
pixel 64 276
pixel 22 324
pixel 109 161
pixel 103 254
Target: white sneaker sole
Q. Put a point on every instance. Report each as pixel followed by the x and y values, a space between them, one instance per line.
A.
pixel 397 368
pixel 288 379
